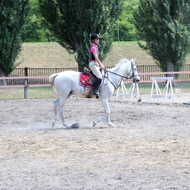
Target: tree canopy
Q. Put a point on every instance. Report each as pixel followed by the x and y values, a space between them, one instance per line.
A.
pixel 12 18
pixel 72 22
pixel 164 26
pixel 36 28
pixel 125 25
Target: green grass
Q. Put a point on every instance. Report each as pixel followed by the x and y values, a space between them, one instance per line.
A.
pixel 47 92
pixel 122 43
pixel 38 92
pixel 132 43
pixel 33 93
pixel 52 55
pixel 145 88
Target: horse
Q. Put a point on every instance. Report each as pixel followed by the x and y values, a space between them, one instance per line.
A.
pixel 66 84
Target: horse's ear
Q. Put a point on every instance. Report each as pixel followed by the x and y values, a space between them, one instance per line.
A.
pixel 134 60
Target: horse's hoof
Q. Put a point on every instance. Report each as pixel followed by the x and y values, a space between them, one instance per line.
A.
pixel 67 126
pixel 111 124
pixel 75 126
pixel 94 123
pixel 53 124
pixel 139 100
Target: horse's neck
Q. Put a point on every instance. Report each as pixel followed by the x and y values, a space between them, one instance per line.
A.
pixel 119 72
pixel 116 78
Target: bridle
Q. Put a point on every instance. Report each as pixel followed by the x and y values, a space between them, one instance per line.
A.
pixel 123 77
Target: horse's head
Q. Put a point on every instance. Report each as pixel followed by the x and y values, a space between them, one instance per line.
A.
pixel 125 69
pixel 133 72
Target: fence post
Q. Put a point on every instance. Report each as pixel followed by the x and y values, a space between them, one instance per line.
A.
pixel 26 83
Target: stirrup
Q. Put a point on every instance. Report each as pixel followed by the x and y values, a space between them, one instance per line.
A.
pixel 95 93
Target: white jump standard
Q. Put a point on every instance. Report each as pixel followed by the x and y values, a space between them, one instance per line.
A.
pixel 132 92
pixel 167 92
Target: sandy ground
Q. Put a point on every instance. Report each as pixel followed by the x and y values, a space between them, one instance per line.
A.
pixel 149 148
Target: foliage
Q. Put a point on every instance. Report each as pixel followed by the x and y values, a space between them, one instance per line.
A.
pixel 72 22
pixel 35 27
pixel 164 26
pixel 125 24
pixel 12 18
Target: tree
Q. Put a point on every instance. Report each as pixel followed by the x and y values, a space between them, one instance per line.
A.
pixel 164 26
pixel 35 27
pixel 12 18
pixel 127 30
pixel 72 22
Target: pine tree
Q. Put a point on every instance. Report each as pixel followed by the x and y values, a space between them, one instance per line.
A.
pixel 12 17
pixel 164 26
pixel 72 22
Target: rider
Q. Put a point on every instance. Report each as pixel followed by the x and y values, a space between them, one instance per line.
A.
pixel 95 64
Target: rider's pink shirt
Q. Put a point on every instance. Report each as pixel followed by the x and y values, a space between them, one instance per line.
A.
pixel 93 49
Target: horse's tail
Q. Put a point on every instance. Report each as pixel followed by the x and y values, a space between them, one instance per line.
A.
pixel 51 80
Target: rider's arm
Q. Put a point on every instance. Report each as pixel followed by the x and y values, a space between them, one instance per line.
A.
pixel 98 61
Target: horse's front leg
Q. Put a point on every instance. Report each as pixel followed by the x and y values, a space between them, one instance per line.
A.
pixel 106 111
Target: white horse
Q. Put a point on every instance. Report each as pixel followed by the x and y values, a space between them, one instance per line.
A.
pixel 66 84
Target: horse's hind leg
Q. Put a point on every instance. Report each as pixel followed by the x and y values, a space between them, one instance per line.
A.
pixel 61 106
pixel 58 108
pixel 56 104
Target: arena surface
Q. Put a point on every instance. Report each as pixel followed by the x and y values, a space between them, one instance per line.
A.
pixel 149 148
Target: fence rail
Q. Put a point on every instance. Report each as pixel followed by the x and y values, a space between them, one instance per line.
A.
pixel 19 72
pixel 25 80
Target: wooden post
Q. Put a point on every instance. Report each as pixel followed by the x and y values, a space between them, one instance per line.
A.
pixel 26 83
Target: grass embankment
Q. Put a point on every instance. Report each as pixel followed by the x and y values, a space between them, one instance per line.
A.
pixel 52 55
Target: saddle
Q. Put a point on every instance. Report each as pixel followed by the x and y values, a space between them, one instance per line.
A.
pixel 87 78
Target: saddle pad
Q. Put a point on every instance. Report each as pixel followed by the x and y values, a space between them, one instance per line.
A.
pixel 84 80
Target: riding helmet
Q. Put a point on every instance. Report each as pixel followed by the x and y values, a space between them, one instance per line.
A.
pixel 95 36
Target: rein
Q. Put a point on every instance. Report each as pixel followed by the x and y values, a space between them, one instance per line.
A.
pixel 123 77
pixel 116 87
pixel 107 71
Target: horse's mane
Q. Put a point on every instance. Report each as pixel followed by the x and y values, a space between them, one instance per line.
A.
pixel 119 64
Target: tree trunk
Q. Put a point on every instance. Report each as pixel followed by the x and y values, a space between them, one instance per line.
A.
pixel 1 4
pixel 170 68
pixel 2 74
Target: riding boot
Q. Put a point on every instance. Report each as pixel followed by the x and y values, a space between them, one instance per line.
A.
pixel 95 85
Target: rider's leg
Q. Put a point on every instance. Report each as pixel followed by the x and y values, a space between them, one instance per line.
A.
pixel 95 85
pixel 96 71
